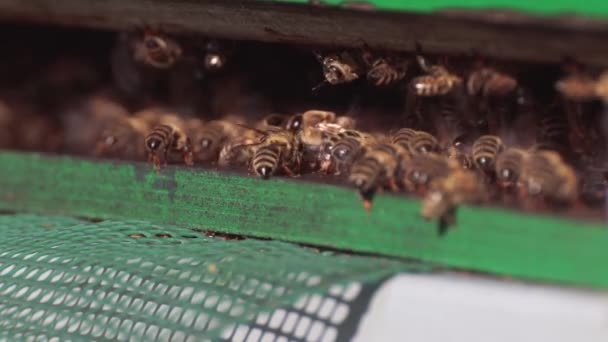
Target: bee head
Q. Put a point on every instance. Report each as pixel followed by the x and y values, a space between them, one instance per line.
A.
pixel 295 123
pixel 507 175
pixel 485 163
pixel 341 152
pixel 154 144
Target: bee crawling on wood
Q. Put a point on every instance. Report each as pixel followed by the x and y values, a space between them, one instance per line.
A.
pixel 209 138
pixel 349 146
pixel 545 175
pixel 485 151
pixel 459 187
pixel 509 167
pixel 278 150
pixel 425 169
pixel 377 168
pixel 166 139
pixel 123 140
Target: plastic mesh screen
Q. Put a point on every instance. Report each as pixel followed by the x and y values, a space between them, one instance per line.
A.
pixel 70 279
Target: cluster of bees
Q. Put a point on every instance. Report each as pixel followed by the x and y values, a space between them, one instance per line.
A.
pixel 456 144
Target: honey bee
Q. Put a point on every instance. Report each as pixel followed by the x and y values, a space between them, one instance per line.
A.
pixel 317 144
pixel 577 87
pixel 424 169
pixel 485 151
pixel 494 95
pixel 165 139
pixel 124 140
pixel 386 71
pixel 488 82
pixel 238 151
pixel 423 142
pixel 340 68
pixel 509 166
pixel 546 175
pixel 460 152
pixel 379 166
pixel 348 148
pixel 459 187
pixel 438 81
pixel 278 149
pixel 209 139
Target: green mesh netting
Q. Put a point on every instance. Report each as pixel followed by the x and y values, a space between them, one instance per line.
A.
pixel 68 279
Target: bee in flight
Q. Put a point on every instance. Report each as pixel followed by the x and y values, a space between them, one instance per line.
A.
pixel 438 81
pixel 385 70
pixel 339 68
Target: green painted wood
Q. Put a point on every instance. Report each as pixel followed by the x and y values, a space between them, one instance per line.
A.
pixel 545 7
pixel 486 239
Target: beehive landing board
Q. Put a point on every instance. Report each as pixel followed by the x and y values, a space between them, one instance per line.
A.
pixel 486 239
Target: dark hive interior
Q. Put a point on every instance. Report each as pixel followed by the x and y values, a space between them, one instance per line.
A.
pixel 87 93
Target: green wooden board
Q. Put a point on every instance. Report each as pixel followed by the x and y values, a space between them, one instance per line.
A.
pixel 486 239
pixel 544 7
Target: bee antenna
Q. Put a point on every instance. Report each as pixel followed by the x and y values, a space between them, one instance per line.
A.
pixel 319 86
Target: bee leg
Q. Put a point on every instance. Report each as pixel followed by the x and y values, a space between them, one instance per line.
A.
pixel 289 172
pixel 153 158
pixel 392 183
pixel 447 220
pixel 188 158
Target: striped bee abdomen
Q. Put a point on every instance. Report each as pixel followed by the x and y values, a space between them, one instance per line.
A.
pixel 509 165
pixel 403 137
pixel 266 160
pixel 485 151
pixel 161 138
pixel 366 174
pixel 423 142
